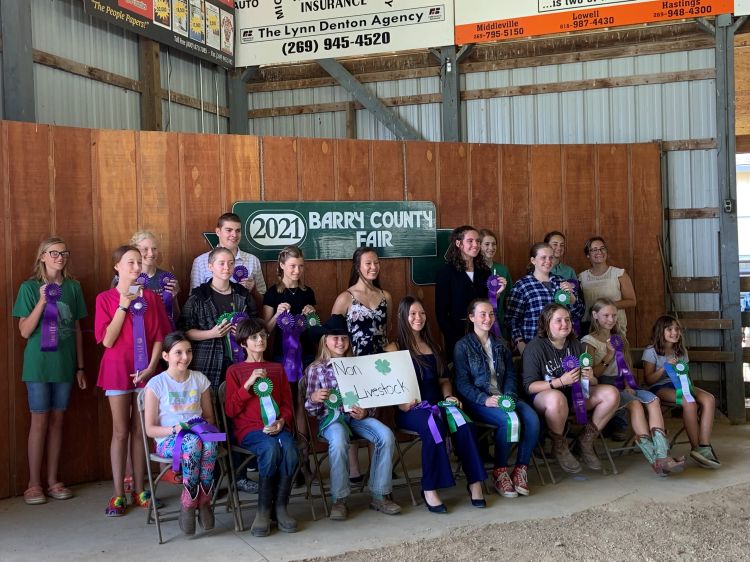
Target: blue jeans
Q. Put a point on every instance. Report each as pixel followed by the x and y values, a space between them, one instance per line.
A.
pixel 46 396
pixel 277 454
pixel 529 430
pixel 381 465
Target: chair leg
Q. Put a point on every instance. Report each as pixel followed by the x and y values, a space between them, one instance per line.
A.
pixel 542 454
pixel 609 455
pixel 407 477
pixel 153 507
pixel 536 468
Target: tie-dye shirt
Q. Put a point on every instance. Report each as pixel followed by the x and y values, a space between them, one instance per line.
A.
pixel 178 401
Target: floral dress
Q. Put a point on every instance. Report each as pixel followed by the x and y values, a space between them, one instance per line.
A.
pixel 367 326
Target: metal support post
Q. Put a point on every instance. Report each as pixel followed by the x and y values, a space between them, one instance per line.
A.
pixel 237 100
pixel 18 62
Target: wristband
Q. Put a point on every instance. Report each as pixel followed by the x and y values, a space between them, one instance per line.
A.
pixel 123 308
pixel 80 369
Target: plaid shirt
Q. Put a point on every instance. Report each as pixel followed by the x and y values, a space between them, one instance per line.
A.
pixel 200 273
pixel 199 313
pixel 320 375
pixel 526 301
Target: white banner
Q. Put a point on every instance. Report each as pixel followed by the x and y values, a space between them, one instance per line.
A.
pixel 283 31
pixel 384 379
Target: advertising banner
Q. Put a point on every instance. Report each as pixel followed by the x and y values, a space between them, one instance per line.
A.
pixel 480 21
pixel 204 28
pixel 281 31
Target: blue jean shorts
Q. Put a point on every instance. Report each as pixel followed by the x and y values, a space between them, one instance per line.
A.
pixel 46 396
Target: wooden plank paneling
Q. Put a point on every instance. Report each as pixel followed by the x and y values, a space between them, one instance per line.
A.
pixel 7 326
pixel 546 197
pixel 580 209
pixel 453 185
pixel 485 190
pixel 695 284
pixel 516 212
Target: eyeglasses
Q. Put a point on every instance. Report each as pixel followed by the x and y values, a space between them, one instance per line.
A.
pixel 54 254
pixel 260 336
pixel 599 250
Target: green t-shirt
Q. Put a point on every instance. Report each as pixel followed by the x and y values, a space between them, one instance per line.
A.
pixel 564 271
pixel 51 366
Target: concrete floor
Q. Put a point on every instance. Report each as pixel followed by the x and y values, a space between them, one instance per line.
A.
pixel 78 530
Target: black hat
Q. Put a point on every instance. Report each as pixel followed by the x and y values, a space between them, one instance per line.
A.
pixel 335 326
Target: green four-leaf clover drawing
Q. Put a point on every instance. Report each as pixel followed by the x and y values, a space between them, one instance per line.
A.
pixel 383 366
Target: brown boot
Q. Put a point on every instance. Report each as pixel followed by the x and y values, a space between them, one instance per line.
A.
pixel 187 511
pixel 663 460
pixel 205 511
pixel 586 446
pixel 562 454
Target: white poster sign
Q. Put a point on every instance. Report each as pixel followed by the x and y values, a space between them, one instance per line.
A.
pixel 283 31
pixel 741 7
pixel 384 379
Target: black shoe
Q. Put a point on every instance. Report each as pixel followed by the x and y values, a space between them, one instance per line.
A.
pixel 356 479
pixel 434 508
pixel 476 503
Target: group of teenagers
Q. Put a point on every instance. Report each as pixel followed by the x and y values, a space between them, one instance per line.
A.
pixel 180 356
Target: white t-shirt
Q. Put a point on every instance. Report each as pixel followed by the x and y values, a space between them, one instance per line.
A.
pixel 178 401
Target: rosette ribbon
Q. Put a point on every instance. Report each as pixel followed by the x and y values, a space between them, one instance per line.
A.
pixel 238 354
pixel 585 360
pixel 569 363
pixel 678 374
pixel 624 374
pixel 454 416
pixel 312 320
pixel 50 329
pixel 431 423
pixel 493 284
pixel 561 297
pixel 513 427
pixel 240 273
pixel 229 338
pixel 166 279
pixel 292 326
pixel 269 410
pixel 142 280
pixel 138 309
pixel 333 404
pixel 200 427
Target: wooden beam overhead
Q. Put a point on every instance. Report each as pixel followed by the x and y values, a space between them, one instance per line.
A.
pixel 149 70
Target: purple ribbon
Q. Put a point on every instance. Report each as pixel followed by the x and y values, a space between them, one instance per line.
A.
pixel 624 374
pixel 142 280
pixel 240 273
pixel 431 423
pixel 166 279
pixel 569 363
pixel 199 427
pixel 50 332
pixel 291 326
pixel 138 310
pixel 493 284
pixel 238 354
pixel 576 321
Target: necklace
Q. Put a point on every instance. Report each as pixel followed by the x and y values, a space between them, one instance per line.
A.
pixel 226 291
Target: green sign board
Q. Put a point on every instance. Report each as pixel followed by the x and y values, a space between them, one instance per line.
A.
pixel 424 270
pixel 332 230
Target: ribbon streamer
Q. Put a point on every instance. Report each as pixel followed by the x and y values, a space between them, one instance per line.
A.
pixel 333 403
pixel 50 329
pixel 585 360
pixel 493 284
pixel 238 354
pixel 292 326
pixel 199 427
pixel 569 363
pixel 138 309
pixel 228 338
pixel 513 428
pixel 678 374
pixel 431 423
pixel 166 279
pixel 269 410
pixel 240 273
pixel 454 416
pixel 624 374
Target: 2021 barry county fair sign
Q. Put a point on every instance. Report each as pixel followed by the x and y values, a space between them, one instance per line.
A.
pixel 279 31
pixel 371 381
pixel 480 21
pixel 332 230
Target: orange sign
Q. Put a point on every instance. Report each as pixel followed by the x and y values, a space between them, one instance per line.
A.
pixel 545 17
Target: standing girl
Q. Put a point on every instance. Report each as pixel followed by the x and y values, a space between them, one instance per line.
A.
pixel 435 386
pixel 489 248
pixel 174 398
pixel 485 379
pixel 643 406
pixel 533 292
pixel 131 323
pixel 667 348
pixel 556 241
pixel 50 297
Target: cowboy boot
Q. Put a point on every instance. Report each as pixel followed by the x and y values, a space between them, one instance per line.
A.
pixel 586 446
pixel 562 454
pixel 205 511
pixel 261 526
pixel 663 459
pixel 286 523
pixel 649 453
pixel 187 511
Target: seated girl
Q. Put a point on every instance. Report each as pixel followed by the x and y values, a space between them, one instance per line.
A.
pixel 321 382
pixel 259 402
pixel 172 399
pixel 435 388
pixel 486 381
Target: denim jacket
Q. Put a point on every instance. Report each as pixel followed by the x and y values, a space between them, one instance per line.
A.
pixel 473 372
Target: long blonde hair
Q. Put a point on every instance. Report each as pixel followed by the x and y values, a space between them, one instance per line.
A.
pixel 38 271
pixel 285 254
pixel 324 354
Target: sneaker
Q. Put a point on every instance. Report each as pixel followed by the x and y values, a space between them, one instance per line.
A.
pixel 503 483
pixel 520 479
pixel 704 455
pixel 339 511
pixel 248 486
pixel 116 507
pixel 143 500
pixel 385 505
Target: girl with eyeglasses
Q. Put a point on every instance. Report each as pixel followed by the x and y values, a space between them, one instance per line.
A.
pixel 49 370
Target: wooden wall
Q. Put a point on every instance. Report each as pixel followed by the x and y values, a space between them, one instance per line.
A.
pixel 94 188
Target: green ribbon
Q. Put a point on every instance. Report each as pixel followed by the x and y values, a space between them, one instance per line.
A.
pixel 227 344
pixel 585 360
pixel 269 410
pixel 312 320
pixel 508 405
pixel 454 416
pixel 561 297
pixel 333 403
pixel 679 375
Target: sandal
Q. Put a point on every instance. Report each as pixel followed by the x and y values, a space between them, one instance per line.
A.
pixel 116 507
pixel 59 492
pixel 34 496
pixel 127 484
pixel 144 500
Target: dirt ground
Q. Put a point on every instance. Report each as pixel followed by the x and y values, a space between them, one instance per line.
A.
pixel 710 526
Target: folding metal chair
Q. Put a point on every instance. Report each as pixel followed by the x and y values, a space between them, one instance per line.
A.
pixel 572 422
pixel 159 516
pixel 405 441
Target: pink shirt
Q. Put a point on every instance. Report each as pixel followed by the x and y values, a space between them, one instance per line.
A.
pixel 118 361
